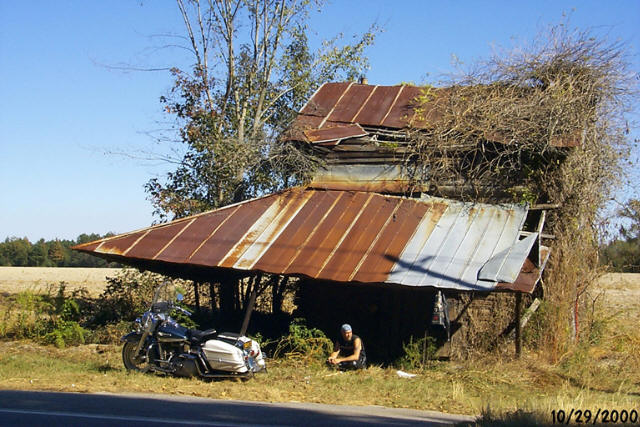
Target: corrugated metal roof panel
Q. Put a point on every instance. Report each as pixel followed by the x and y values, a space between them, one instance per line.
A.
pixel 377 106
pixel 341 236
pixel 334 134
pixel 402 110
pixel 349 105
pixel 152 243
pixel 322 102
pixel 501 268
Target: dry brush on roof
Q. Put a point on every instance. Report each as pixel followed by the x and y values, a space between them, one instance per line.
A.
pixel 505 126
pixel 516 115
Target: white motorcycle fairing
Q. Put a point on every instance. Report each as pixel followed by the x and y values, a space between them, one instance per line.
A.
pixel 224 356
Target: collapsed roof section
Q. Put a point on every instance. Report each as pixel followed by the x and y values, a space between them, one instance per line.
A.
pixel 363 134
pixel 339 111
pixel 345 236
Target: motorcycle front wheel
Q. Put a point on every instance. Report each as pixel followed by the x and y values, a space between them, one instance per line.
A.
pixel 133 361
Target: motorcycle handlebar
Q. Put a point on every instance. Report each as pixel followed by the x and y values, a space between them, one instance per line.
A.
pixel 184 311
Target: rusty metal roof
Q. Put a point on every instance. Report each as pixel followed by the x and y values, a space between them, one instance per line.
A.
pixel 344 236
pixel 334 105
pixel 333 136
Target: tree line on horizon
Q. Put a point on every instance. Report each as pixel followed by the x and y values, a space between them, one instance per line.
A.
pixel 623 253
pixel 20 252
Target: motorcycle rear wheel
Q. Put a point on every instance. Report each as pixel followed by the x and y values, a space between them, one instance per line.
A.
pixel 133 362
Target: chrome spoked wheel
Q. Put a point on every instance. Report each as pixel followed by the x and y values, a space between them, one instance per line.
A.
pixel 133 361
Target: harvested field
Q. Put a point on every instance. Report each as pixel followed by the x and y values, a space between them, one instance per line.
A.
pixel 40 279
pixel 622 293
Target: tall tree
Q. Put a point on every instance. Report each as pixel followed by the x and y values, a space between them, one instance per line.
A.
pixel 57 253
pixel 252 71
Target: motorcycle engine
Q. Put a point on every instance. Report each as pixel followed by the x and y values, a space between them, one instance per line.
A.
pixel 185 365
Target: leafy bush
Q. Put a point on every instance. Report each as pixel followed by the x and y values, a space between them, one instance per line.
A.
pixel 303 342
pixel 126 296
pixel 418 354
pixel 52 320
pixel 65 333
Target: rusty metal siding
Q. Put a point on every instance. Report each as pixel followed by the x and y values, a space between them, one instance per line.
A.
pixel 335 134
pixel 402 110
pixel 349 105
pixel 120 245
pixel 153 242
pixel 267 229
pixel 286 247
pixel 323 101
pixel 350 254
pixel 307 258
pixel 180 250
pixel 345 236
pixel 392 240
pixel 226 237
pixel 377 106
pixel 386 107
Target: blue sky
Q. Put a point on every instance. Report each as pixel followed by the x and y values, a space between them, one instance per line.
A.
pixel 63 112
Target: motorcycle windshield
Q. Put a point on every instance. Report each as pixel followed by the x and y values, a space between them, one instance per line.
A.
pixel 164 297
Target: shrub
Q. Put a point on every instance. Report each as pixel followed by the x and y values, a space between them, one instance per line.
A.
pixel 52 320
pixel 65 333
pixel 418 354
pixel 126 296
pixel 303 342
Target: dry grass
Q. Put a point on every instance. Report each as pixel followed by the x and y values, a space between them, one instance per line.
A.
pixel 598 374
pixel 622 292
pixel 504 385
pixel 39 279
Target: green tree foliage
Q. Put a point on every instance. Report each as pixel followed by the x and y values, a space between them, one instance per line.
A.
pixel 20 252
pixel 253 71
pixel 15 251
pixel 38 254
pixel 623 254
pixel 57 254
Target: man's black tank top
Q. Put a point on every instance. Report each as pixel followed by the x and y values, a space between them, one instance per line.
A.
pixel 347 348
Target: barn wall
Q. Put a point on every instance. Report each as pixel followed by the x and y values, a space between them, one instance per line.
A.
pixel 482 322
pixel 385 317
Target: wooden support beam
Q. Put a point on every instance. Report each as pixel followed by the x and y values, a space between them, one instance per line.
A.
pixel 196 293
pixel 251 303
pixel 518 308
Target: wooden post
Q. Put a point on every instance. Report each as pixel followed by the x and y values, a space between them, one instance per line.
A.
pixel 252 301
pixel 196 292
pixel 518 331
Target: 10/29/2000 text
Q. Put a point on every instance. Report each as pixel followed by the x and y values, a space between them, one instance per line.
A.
pixel 599 415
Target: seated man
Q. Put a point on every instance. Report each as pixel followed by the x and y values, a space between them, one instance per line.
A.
pixel 348 351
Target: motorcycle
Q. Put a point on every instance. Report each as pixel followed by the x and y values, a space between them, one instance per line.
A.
pixel 160 344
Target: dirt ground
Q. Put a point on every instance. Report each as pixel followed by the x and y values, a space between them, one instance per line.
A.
pixel 40 279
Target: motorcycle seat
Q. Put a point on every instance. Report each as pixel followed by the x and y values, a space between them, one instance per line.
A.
pixel 198 336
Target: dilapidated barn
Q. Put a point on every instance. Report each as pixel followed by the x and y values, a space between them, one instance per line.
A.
pixel 366 245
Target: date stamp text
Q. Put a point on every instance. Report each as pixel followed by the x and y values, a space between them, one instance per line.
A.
pixel 595 416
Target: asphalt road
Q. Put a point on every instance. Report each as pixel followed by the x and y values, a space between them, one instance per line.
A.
pixel 27 408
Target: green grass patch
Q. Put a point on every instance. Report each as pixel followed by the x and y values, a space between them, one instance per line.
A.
pixel 496 389
pixel 598 372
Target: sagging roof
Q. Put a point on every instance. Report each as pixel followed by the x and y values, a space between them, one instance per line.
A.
pixel 336 107
pixel 345 236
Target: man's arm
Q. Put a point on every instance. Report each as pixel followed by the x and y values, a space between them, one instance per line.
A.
pixel 357 347
pixel 333 357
